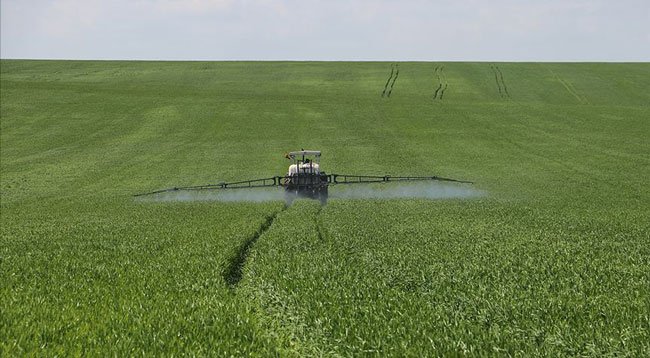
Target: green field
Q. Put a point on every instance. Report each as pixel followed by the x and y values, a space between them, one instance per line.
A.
pixel 553 259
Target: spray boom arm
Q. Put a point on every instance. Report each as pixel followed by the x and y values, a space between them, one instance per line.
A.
pixel 281 181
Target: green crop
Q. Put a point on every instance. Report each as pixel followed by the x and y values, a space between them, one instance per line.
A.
pixel 551 259
pixel 417 278
pixel 125 277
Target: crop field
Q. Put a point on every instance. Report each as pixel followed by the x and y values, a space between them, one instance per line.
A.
pixel 547 253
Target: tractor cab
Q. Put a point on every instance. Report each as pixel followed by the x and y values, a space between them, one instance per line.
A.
pixel 304 177
pixel 304 162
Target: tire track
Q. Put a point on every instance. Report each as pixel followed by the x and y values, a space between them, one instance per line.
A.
pixel 394 79
pixel 496 79
pixel 442 81
pixel 569 88
pixel 392 70
pixel 235 270
pixel 501 83
pixel 442 93
pixel 436 74
pixel 445 81
pixel 322 235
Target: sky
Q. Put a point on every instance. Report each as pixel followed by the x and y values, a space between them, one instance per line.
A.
pixel 331 30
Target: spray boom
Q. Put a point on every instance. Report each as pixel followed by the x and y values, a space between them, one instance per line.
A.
pixel 305 179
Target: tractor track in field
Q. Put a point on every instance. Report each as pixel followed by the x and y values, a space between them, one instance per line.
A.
pixel 496 78
pixel 501 83
pixel 569 88
pixel 441 81
pixel 235 270
pixel 322 235
pixel 390 83
pixel 392 70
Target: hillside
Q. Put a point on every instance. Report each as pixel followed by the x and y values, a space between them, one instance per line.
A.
pixel 552 259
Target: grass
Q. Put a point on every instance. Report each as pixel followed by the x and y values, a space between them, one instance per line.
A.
pixel 552 261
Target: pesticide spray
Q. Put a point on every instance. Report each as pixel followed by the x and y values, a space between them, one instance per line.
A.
pixel 413 190
pixel 256 195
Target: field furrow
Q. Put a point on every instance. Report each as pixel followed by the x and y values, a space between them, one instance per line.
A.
pixel 233 273
pixel 496 78
pixel 392 70
pixel 569 88
pixel 503 82
pixel 392 83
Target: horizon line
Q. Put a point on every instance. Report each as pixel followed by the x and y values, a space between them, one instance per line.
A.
pixel 313 60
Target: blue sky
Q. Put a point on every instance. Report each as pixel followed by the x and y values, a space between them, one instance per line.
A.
pixel 453 30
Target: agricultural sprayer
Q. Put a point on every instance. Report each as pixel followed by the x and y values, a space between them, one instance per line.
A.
pixel 304 178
